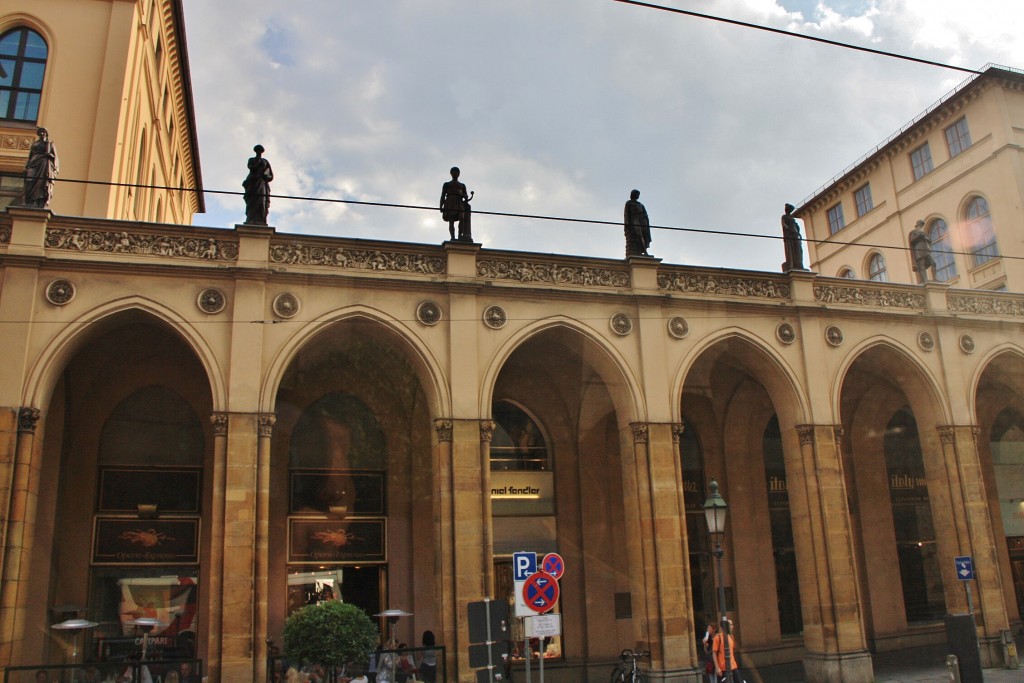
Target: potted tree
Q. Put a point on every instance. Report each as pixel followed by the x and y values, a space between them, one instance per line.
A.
pixel 332 633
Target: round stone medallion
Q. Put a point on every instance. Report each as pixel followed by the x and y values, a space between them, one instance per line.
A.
pixel 60 292
pixel 428 313
pixel 211 300
pixel 286 305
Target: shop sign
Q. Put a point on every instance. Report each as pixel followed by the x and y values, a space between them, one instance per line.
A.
pixel 320 541
pixel 522 493
pixel 133 541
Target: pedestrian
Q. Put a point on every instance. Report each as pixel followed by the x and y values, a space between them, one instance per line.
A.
pixel 718 648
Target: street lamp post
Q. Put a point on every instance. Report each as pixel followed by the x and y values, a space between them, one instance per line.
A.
pixel 714 510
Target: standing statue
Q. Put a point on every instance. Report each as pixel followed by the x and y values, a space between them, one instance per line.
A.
pixel 921 252
pixel 636 226
pixel 455 207
pixel 257 188
pixel 40 171
pixel 791 238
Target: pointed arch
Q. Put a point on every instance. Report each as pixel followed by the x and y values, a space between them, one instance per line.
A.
pixel 608 362
pixel 45 370
pixel 422 357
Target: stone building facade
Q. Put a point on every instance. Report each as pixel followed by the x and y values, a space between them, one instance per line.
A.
pixel 956 167
pixel 265 417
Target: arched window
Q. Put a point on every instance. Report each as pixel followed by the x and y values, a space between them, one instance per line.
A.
pixel 945 265
pixel 22 64
pixel 518 443
pixel 979 234
pixel 847 273
pixel 876 268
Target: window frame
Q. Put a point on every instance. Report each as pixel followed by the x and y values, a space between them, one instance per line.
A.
pixel 921 162
pixel 862 199
pixel 958 137
pixel 877 274
pixel 978 223
pixel 836 220
pixel 847 273
pixel 942 253
pixel 16 89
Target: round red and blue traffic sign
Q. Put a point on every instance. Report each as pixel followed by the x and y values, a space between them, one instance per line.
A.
pixel 553 564
pixel 540 592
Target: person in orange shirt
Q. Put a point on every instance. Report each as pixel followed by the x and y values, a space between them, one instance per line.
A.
pixel 719 653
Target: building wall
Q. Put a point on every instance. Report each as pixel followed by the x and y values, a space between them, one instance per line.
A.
pixel 106 86
pixel 990 168
pixel 250 328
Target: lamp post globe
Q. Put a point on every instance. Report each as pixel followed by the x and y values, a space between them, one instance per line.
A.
pixel 715 508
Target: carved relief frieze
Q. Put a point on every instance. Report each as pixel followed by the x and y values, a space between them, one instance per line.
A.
pixel 723 285
pixel 19 143
pixel 525 271
pixel 177 246
pixel 868 296
pixel 5 234
pixel 985 305
pixel 365 259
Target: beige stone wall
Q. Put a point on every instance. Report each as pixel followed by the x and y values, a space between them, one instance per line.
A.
pixel 991 168
pixel 104 90
pixel 609 355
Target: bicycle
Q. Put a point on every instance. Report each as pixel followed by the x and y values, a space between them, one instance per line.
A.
pixel 629 673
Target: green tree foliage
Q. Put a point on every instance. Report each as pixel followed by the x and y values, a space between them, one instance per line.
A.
pixel 332 633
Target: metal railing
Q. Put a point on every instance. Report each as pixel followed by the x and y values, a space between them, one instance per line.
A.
pixel 101 672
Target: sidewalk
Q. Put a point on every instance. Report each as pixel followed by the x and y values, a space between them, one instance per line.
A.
pixel 920 665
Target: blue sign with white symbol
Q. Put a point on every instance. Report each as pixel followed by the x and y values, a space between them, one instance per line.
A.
pixel 964 568
pixel 523 564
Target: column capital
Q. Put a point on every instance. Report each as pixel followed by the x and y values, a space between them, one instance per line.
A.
pixel 444 430
pixel 220 423
pixel 27 420
pixel 641 431
pixel 806 432
pixel 487 428
pixel 266 423
pixel 678 429
pixel 947 433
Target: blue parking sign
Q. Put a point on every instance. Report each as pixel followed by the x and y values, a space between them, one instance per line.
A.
pixel 523 565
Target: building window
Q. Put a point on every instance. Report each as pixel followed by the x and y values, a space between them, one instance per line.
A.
pixel 862 197
pixel 979 234
pixel 945 264
pixel 22 64
pixel 836 222
pixel 958 137
pixel 846 273
pixel 876 268
pixel 921 161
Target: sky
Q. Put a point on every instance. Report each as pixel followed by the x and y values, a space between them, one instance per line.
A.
pixel 562 107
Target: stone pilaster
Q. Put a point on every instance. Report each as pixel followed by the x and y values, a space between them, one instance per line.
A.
pixel 445 569
pixel 220 422
pixel 21 516
pixel 822 534
pixel 976 535
pixel 238 596
pixel 652 477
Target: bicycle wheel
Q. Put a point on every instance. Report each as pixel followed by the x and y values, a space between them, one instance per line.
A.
pixel 618 675
pixel 637 677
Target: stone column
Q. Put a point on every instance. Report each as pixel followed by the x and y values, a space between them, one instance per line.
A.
pixel 216 553
pixel 472 553
pixel 445 568
pixel 262 586
pixel 660 578
pixel 238 595
pixel 976 535
pixel 21 516
pixel 822 534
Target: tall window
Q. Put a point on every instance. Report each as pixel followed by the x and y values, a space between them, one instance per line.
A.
pixel 958 137
pixel 917 553
pixel 22 64
pixel 980 236
pixel 786 581
pixel 862 197
pixel 836 222
pixel 876 268
pixel 921 161
pixel 945 264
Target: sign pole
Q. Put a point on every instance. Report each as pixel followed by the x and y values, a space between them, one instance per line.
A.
pixel 540 651
pixel 526 644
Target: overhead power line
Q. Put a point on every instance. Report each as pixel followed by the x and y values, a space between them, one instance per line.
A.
pixel 792 34
pixel 529 216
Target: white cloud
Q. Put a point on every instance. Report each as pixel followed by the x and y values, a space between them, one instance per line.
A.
pixel 564 112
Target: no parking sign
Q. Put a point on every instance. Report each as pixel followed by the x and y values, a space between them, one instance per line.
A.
pixel 540 592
